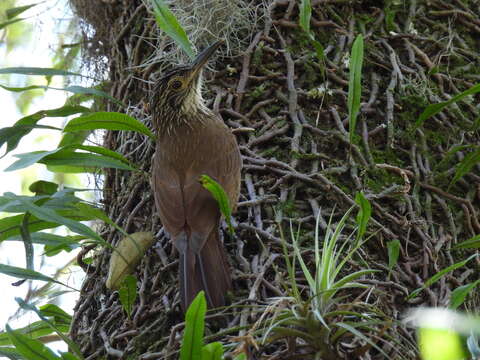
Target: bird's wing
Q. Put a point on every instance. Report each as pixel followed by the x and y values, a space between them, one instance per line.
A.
pixel 168 196
pixel 222 162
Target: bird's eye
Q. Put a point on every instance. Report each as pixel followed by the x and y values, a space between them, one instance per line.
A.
pixel 176 84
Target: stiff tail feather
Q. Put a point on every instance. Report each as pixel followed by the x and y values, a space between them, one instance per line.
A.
pixel 208 270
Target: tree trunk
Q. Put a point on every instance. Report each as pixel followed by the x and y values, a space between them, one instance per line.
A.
pixel 298 162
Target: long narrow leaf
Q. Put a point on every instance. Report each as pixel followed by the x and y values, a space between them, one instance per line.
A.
pixel 220 196
pixel 434 109
pixel 73 89
pixel 355 84
pixel 36 71
pixel 108 121
pixel 305 15
pixel 29 348
pixel 192 343
pixel 363 215
pixel 22 273
pixel 50 215
pixel 72 346
pixel 168 23
pixel 438 275
pixel 9 22
pixel 466 165
pixel 12 12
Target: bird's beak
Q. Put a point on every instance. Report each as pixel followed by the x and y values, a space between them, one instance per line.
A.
pixel 203 58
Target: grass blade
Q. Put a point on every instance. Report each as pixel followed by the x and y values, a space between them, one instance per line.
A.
pixel 438 275
pixel 355 84
pixel 305 15
pixel 434 109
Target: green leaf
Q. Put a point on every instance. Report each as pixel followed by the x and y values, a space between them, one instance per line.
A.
pixel 305 15
pixel 68 356
pixel 71 345
pixel 10 226
pixel 107 121
pixel 29 348
pixel 10 353
pixel 73 89
pixel 192 342
pixel 128 293
pixel 33 330
pixel 473 243
pixel 363 215
pixel 28 159
pixel 22 273
pixel 12 135
pixel 438 275
pixel 168 23
pixel 12 12
pixel 42 187
pixel 9 22
pixel 459 295
pixel 65 156
pixel 59 315
pixel 355 84
pixel 434 109
pixel 220 196
pixel 466 165
pixel 49 239
pixel 212 351
pixel 393 253
pixel 36 71
pixel 50 215
pixel 241 356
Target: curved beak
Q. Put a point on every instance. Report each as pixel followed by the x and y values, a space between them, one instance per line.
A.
pixel 203 58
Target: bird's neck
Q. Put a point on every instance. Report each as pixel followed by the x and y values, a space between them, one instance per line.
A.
pixel 188 117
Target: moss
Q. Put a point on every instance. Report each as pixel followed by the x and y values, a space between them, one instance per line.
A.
pixel 378 179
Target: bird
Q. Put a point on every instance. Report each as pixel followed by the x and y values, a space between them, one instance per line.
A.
pixel 191 141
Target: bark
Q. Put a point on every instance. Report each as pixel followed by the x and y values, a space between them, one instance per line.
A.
pixel 298 163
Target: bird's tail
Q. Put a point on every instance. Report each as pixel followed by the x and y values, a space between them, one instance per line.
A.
pixel 208 271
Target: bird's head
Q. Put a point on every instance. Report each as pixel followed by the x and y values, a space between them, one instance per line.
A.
pixel 179 91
